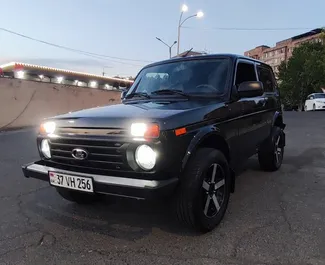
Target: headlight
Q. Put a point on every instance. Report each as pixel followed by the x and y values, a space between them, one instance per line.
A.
pixel 45 148
pixel 48 127
pixel 144 130
pixel 145 157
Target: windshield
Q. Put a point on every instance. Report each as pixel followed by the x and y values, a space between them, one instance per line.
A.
pixel 320 95
pixel 200 77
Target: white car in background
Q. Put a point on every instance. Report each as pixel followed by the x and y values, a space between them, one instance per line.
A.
pixel 315 101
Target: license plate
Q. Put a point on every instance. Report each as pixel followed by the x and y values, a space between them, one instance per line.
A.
pixel 71 182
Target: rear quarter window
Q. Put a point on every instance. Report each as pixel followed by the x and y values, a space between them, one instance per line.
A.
pixel 265 75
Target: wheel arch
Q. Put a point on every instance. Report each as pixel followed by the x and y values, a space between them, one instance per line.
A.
pixel 278 120
pixel 211 138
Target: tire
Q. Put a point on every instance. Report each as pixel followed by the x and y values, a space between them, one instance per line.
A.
pixel 204 190
pixel 78 197
pixel 270 155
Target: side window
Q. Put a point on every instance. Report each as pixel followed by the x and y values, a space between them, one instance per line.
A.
pixel 245 72
pixel 266 77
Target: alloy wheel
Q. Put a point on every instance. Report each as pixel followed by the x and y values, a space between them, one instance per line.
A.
pixel 278 151
pixel 213 190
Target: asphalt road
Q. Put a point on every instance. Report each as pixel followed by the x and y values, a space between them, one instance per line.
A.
pixel 273 218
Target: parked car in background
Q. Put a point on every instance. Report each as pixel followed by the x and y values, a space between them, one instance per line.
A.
pixel 315 101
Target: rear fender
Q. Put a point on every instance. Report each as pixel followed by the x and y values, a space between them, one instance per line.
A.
pixel 278 120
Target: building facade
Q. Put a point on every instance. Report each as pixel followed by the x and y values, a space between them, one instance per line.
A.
pixel 39 73
pixel 282 51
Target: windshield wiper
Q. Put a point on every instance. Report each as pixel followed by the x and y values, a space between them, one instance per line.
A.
pixel 138 94
pixel 170 92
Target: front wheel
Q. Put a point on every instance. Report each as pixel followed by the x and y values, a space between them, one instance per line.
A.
pixel 270 155
pixel 77 197
pixel 204 190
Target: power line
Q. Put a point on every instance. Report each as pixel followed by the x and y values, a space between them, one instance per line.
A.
pixel 91 54
pixel 248 29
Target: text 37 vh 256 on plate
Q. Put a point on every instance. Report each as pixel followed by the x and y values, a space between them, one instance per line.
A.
pixel 71 182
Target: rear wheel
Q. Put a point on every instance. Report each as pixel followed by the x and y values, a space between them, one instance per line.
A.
pixel 78 197
pixel 204 190
pixel 271 152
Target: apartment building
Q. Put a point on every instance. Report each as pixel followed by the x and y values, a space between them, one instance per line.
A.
pixel 282 51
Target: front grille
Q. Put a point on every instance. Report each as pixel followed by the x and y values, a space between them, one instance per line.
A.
pixel 102 153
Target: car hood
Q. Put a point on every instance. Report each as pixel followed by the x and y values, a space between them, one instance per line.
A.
pixel 168 114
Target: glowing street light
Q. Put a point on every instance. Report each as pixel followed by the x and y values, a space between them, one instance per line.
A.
pixel 199 14
pixel 184 9
pixel 41 77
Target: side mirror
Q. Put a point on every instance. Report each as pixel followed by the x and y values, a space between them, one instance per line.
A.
pixel 250 89
pixel 123 94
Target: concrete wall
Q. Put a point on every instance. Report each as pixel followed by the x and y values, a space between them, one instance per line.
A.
pixel 25 103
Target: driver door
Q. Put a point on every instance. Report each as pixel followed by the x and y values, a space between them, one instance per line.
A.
pixel 251 111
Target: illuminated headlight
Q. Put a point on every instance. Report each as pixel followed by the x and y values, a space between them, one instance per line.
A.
pixel 48 127
pixel 145 130
pixel 138 129
pixel 145 157
pixel 45 148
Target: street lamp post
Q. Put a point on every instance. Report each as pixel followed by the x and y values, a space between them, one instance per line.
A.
pixel 169 46
pixel 180 23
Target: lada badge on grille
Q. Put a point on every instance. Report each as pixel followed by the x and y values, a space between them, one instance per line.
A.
pixel 79 154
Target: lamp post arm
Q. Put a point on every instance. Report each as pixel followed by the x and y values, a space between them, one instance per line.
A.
pixel 180 19
pixel 187 19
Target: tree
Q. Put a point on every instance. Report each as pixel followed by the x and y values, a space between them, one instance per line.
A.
pixel 303 74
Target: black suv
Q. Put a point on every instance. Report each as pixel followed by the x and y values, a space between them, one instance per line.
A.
pixel 181 132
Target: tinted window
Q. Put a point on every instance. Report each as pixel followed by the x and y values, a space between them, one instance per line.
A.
pixel 319 95
pixel 266 77
pixel 190 77
pixel 245 72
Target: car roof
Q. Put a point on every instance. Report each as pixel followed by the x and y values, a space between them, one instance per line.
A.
pixel 208 56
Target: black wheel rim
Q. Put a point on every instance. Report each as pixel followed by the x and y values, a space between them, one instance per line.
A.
pixel 278 151
pixel 213 190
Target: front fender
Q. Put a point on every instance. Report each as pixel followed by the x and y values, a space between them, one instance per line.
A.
pixel 197 139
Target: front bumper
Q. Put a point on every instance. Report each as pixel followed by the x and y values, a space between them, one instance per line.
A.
pixel 117 186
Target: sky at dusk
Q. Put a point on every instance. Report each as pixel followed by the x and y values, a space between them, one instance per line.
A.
pixel 128 29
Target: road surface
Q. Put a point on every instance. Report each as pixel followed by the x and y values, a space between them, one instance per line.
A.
pixel 273 218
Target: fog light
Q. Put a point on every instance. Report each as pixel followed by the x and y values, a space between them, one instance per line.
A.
pixel 145 157
pixel 45 148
